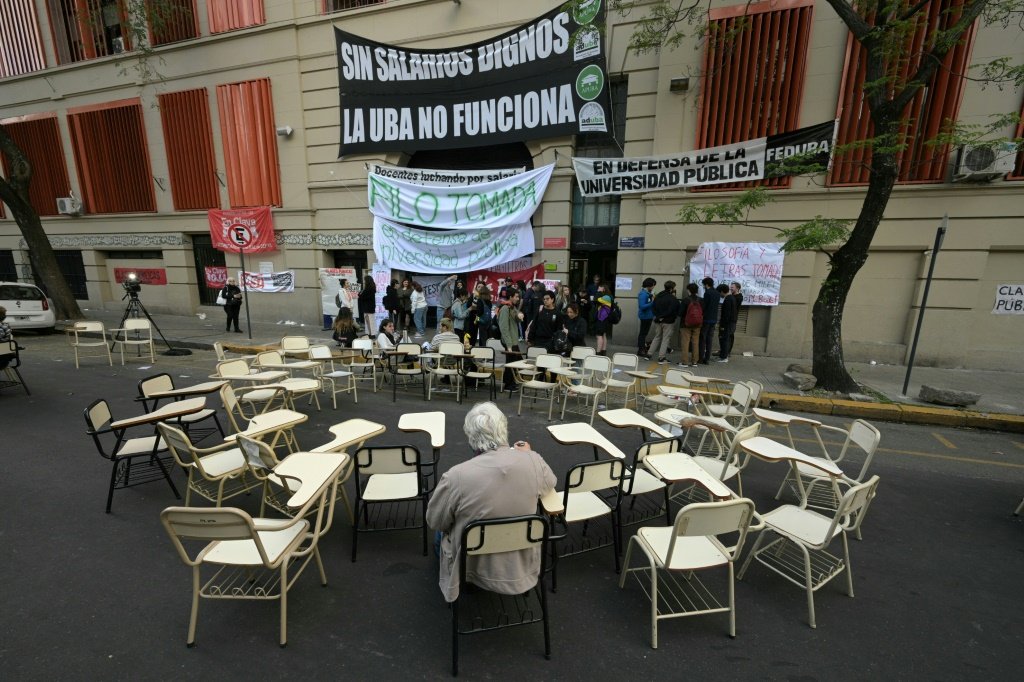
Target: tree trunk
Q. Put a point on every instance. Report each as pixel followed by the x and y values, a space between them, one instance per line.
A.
pixel 827 314
pixel 14 192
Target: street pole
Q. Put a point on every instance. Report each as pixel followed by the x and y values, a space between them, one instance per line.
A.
pixel 939 234
pixel 245 292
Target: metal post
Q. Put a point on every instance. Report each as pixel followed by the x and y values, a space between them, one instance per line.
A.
pixel 939 234
pixel 245 293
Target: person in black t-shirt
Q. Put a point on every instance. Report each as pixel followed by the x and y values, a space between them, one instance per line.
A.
pixel 545 323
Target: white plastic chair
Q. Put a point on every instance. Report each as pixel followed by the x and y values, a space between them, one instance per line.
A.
pixel 799 553
pixel 79 335
pixel 538 386
pixel 673 377
pixel 619 380
pixel 595 371
pixel 689 545
pixel 136 333
pixel 340 380
pixel 295 346
pixel 216 474
pixel 367 363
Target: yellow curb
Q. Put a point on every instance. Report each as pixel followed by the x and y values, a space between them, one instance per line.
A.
pixel 994 421
pixel 799 403
pixel 936 416
pixel 854 408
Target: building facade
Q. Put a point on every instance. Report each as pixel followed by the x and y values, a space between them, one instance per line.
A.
pixel 242 111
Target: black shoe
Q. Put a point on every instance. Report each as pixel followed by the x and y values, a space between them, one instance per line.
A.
pixel 238 331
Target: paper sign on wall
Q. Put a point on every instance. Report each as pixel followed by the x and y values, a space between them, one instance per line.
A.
pixel 756 266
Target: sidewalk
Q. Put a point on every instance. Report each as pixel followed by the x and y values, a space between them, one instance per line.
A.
pixel 1001 406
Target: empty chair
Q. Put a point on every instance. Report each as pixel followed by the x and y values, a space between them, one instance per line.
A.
pixel 391 491
pixel 406 365
pixel 592 490
pixel 595 371
pixel 447 367
pixel 295 346
pixel 135 333
pixel 133 461
pixel 689 545
pixel 484 359
pixel 859 441
pixel 88 335
pixel 492 536
pixel 578 353
pixel 339 380
pixel 799 553
pixel 739 404
pixel 257 397
pixel 272 359
pixel 241 422
pixel 540 386
pixel 364 366
pixel 619 380
pixel 673 377
pixel 730 465
pixel 259 558
pixel 163 382
pixel 216 474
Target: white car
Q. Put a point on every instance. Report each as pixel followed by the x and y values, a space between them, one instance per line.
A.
pixel 27 306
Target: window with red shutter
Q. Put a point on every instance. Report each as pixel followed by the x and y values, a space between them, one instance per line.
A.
pixel 754 66
pixel 925 116
pixel 229 15
pixel 247 132
pixel 112 157
pixel 38 137
pixel 171 21
pixel 188 139
pixel 20 48
pixel 87 29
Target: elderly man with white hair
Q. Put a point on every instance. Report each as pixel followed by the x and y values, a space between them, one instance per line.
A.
pixel 498 481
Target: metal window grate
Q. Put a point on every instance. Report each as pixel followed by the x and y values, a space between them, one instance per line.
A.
pixel 188 138
pixel 73 269
pixel 112 157
pixel 229 15
pixel 926 115
pixel 38 137
pixel 87 29
pixel 754 75
pixel 250 143
pixel 342 5
pixel 172 21
pixel 21 50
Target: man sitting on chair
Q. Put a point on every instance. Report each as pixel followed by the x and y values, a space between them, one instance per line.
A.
pixel 498 481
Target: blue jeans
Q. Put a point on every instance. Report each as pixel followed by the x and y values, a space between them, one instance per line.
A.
pixel 440 314
pixel 419 318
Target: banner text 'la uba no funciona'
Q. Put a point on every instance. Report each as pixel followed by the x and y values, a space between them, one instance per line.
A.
pixel 546 78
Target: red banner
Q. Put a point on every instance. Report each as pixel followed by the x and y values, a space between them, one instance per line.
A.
pixel 150 276
pixel 247 229
pixel 495 280
pixel 216 276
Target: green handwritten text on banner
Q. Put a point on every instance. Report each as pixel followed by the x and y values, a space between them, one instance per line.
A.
pixel 499 203
pixel 408 248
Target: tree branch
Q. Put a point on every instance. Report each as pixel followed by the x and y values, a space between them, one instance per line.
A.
pixel 857 24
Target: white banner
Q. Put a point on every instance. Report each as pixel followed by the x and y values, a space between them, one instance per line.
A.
pixel 449 251
pixel 381 279
pixel 441 178
pixel 431 287
pixel 1009 300
pixel 498 203
pixel 757 267
pixel 274 283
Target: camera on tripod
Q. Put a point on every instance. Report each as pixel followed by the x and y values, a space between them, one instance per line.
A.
pixel 132 285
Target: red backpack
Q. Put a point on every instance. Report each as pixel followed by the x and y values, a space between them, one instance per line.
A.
pixel 694 314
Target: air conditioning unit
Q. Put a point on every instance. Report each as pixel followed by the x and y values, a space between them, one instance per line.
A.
pixel 118 45
pixel 69 206
pixel 984 162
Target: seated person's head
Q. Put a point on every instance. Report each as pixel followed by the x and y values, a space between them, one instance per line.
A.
pixel 446 324
pixel 386 326
pixel 486 427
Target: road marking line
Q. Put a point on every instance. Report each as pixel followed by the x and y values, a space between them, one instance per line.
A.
pixel 945 441
pixel 917 453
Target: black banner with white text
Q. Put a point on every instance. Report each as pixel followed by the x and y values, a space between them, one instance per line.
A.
pixel 543 79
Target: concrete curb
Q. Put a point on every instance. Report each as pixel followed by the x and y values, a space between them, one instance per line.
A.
pixel 895 412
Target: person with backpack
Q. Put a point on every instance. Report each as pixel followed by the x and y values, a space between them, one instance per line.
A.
pixel 645 313
pixel 666 310
pixel 602 323
pixel 689 330
pixel 726 322
pixel 710 304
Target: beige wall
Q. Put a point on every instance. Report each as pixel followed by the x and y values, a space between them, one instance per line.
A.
pixel 325 206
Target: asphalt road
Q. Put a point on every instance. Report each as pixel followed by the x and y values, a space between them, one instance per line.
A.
pixel 938 575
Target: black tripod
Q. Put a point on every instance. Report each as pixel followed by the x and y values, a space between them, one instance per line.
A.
pixel 133 310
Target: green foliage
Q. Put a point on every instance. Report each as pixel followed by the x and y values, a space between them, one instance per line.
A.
pixel 816 233
pixel 733 211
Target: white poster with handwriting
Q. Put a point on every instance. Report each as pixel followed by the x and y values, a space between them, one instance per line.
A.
pixel 756 266
pixel 448 251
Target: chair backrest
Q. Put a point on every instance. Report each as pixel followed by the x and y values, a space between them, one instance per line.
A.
pixel 238 420
pixel 747 432
pixel 412 350
pixel 89 327
pixel 591 476
pixel 597 367
pixel 294 343
pixel 713 519
pixel 218 348
pixel 135 324
pixel 260 456
pixel 853 507
pixel 206 524
pixel 97 421
pixel 866 437
pixel 741 395
pixel 549 361
pixel 662 446
pixel 320 352
pixel 362 344
pixel 180 445
pixel 756 389
pixel 498 348
pixel 232 368
pixel 269 357
pixel 581 352
pixel 391 459
pixel 155 383
pixel 535 352
pixel 483 355
pixel 675 377
pixel 505 534
pixel 450 348
pixel 626 361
